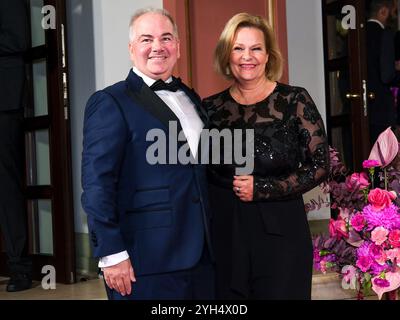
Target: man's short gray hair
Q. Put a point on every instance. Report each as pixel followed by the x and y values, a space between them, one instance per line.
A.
pixel 143 11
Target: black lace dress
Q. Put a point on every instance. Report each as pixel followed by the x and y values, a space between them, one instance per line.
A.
pixel 263 248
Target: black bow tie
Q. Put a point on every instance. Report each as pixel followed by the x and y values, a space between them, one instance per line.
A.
pixel 174 85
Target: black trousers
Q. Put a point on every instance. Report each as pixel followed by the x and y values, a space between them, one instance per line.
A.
pixel 196 283
pixel 12 204
pixel 263 251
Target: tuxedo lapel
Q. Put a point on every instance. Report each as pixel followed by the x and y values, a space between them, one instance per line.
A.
pixel 141 94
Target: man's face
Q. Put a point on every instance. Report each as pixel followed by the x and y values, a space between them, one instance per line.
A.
pixel 154 49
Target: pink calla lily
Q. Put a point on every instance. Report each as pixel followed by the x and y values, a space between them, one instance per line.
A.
pixel 385 148
pixel 394 283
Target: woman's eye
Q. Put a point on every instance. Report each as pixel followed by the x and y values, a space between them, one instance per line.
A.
pixel 237 49
pixel 257 49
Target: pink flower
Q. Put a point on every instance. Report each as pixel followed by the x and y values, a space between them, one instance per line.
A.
pixel 357 181
pixel 378 254
pixel 358 222
pixel 370 164
pixel 385 148
pixel 394 256
pixel 394 282
pixel 394 238
pixel 380 199
pixel 337 228
pixel 379 235
pixel 350 275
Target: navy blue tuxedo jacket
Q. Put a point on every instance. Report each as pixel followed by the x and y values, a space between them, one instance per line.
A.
pixel 158 213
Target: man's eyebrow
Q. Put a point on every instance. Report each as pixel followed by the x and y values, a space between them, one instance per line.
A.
pixel 150 36
pixel 146 36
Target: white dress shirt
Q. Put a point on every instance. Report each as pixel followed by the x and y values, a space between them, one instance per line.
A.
pixel 185 111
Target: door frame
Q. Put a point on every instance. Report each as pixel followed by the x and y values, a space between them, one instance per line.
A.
pixel 356 61
pixel 57 122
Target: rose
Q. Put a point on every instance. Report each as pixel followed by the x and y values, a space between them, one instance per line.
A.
pixel 379 235
pixel 357 181
pixel 337 228
pixel 380 199
pixel 394 238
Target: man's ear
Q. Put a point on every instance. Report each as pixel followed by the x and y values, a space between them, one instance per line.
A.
pixel 131 50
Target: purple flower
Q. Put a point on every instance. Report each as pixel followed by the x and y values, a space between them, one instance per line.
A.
pixel 383 283
pixel 376 269
pixel 388 218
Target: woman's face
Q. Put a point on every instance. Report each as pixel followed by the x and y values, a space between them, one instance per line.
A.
pixel 249 56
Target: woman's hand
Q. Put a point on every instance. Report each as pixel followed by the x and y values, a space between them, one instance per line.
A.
pixel 243 187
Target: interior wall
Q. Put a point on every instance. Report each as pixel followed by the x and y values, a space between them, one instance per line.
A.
pixel 306 49
pixel 306 69
pixel 98 57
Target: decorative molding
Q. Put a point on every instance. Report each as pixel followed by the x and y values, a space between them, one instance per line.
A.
pixel 271 13
pixel 188 44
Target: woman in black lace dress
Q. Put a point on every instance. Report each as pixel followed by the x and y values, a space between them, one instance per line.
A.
pixel 261 236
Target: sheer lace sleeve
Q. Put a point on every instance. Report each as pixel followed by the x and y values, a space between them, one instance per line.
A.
pixel 314 164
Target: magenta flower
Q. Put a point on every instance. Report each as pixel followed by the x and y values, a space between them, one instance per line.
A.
pixel 370 164
pixel 364 263
pixel 358 222
pixel 382 283
pixel 364 257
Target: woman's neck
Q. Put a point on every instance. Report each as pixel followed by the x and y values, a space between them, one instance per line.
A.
pixel 252 92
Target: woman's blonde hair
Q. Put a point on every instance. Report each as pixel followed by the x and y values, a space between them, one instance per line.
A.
pixel 273 69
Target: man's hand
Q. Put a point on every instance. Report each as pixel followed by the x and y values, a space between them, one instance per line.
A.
pixel 243 187
pixel 120 277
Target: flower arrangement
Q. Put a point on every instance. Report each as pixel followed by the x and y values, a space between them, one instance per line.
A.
pixel 363 244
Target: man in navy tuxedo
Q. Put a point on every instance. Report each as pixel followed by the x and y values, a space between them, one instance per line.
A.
pixel 148 222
